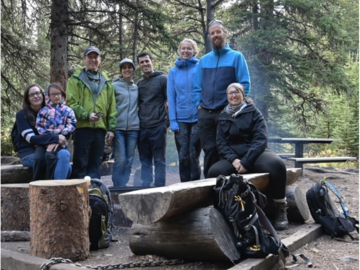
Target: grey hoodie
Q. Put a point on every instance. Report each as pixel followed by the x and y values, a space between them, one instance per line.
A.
pixel 126 95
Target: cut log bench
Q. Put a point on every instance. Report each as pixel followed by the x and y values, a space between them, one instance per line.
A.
pixel 176 220
pixel 16 174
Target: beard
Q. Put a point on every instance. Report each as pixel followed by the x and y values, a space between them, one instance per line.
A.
pixel 218 44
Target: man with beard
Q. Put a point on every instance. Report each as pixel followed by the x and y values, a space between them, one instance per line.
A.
pixel 216 70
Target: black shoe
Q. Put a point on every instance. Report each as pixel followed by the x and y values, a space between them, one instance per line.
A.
pixel 281 220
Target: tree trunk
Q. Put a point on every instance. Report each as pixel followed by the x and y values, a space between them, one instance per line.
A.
pixel 59 219
pixel 151 205
pixel 59 42
pixel 199 235
pixel 15 214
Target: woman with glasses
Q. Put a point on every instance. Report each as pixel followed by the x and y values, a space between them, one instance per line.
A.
pixel 242 139
pixel 183 112
pixel 32 145
pixel 56 118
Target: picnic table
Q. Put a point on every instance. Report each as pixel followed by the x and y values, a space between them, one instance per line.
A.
pixel 300 142
pixel 298 157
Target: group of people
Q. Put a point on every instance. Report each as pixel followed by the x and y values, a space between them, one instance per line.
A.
pixel 204 102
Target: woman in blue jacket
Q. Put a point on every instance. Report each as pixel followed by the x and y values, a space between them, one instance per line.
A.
pixel 183 112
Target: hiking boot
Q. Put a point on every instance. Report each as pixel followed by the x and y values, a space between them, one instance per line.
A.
pixel 281 220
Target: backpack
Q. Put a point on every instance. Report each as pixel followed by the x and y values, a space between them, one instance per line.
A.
pixel 15 137
pixel 101 215
pixel 324 211
pixel 240 203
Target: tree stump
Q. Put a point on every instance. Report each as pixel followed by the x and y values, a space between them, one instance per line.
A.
pixel 15 214
pixel 202 234
pixel 59 219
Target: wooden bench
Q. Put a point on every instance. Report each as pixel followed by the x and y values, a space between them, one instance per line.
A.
pixel 299 162
pixel 180 221
pixel 15 174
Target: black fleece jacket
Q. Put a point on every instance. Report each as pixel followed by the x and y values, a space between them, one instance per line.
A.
pixel 244 137
pixel 151 100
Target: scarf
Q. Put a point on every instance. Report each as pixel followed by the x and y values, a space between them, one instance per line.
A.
pixel 235 110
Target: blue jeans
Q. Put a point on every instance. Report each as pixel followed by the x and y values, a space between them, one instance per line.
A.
pixel 63 166
pixel 62 169
pixel 28 161
pixel 188 145
pixel 124 145
pixel 152 146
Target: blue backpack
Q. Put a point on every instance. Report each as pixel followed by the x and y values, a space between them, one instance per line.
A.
pixel 101 217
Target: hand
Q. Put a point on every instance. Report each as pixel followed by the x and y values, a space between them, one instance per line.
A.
pixel 94 118
pixel 237 164
pixel 109 137
pixel 242 169
pixel 62 140
pixel 52 147
pixel 177 130
pixel 199 107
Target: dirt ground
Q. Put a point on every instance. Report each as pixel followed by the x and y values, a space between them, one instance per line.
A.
pixel 325 253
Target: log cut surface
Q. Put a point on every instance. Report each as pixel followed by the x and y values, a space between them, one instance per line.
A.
pixel 151 205
pixel 59 219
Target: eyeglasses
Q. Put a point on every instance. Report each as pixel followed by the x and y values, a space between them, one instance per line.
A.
pixel 215 21
pixel 233 94
pixel 35 94
pixel 55 94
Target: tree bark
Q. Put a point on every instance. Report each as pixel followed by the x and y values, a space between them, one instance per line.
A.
pixel 59 42
pixel 15 215
pixel 59 219
pixel 200 235
pixel 151 205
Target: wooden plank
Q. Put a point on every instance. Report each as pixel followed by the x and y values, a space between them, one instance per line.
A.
pixel 151 205
pixel 322 159
pixel 295 241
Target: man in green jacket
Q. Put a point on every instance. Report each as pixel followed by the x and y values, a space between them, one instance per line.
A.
pixel 91 95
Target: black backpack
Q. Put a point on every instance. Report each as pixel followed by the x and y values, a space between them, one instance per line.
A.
pixel 324 211
pixel 15 137
pixel 240 203
pixel 101 217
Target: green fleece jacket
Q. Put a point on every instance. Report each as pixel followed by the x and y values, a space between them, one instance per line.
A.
pixel 80 98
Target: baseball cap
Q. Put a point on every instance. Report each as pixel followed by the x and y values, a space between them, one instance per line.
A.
pixel 91 49
pixel 126 60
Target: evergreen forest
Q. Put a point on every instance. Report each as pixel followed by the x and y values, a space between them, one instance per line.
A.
pixel 303 55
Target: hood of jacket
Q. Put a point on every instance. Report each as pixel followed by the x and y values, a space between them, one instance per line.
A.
pixel 181 63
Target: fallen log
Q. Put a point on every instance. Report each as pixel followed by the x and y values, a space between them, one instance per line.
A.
pixel 14 236
pixel 15 214
pixel 11 174
pixel 152 205
pixel 59 219
pixel 201 234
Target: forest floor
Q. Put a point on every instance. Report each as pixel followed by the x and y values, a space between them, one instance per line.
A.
pixel 325 253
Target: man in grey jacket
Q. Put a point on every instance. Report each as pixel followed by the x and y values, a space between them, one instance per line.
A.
pixel 152 104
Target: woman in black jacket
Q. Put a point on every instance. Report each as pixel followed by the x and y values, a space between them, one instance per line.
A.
pixel 242 139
